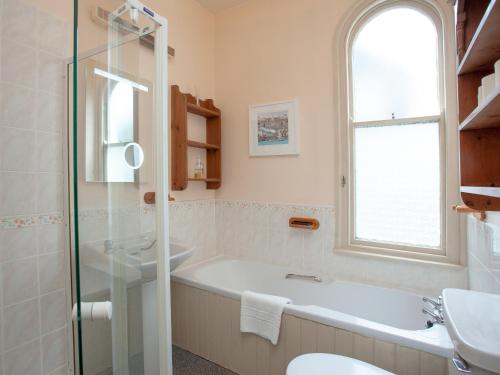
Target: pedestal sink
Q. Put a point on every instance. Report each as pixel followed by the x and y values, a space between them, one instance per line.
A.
pixel 137 255
pixel 146 257
pixel 473 322
pixel 132 262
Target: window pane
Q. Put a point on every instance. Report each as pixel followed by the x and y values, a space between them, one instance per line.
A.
pixel 121 114
pixel 116 168
pixel 397 184
pixel 394 67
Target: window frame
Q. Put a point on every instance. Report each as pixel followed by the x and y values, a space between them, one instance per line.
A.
pixel 451 249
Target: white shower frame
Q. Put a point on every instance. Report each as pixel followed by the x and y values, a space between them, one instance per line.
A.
pixel 162 173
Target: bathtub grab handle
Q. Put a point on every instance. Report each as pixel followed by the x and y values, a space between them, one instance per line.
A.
pixel 303 277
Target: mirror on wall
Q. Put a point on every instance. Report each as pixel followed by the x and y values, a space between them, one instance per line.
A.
pixel 117 129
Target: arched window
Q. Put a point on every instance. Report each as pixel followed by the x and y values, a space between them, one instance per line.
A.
pixel 396 127
pixel 119 104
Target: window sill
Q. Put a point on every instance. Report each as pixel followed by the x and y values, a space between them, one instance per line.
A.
pixel 389 255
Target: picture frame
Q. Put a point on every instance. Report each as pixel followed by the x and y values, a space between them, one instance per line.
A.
pixel 273 129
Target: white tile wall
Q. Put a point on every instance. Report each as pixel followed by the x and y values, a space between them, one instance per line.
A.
pixel 33 46
pixel 259 231
pixel 483 248
pixel 193 223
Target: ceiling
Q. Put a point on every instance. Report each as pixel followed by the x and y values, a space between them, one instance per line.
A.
pixel 218 5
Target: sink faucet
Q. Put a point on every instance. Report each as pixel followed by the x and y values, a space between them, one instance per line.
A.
pixel 149 246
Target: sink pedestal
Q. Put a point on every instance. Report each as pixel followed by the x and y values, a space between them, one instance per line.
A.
pixel 150 328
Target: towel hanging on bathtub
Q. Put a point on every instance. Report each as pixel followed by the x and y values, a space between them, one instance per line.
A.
pixel 261 314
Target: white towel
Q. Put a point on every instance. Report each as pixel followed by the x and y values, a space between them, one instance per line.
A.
pixel 261 314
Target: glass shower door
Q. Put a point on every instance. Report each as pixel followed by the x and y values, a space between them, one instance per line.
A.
pixel 116 156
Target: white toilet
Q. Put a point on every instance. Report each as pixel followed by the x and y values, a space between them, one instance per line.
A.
pixel 331 364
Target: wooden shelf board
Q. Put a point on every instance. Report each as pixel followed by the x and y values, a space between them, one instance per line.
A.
pixel 204 179
pixel 486 115
pixel 207 146
pixel 201 111
pixel 481 190
pixel 484 48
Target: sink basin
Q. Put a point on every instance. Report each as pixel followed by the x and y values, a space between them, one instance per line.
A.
pixel 138 255
pixel 178 255
pixel 147 259
pixel 473 322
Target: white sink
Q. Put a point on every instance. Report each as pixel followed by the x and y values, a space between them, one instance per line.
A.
pixel 473 322
pixel 147 259
pixel 178 255
pixel 138 255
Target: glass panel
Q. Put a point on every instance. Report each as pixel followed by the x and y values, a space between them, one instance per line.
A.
pixel 397 184
pixel 395 67
pixel 114 235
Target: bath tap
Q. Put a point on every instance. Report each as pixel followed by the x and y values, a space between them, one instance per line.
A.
pixel 437 304
pixel 303 277
pixel 436 315
pixel 437 310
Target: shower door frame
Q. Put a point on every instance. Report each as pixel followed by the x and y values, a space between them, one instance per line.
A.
pixel 161 176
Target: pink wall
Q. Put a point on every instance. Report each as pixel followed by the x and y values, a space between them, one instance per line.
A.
pixel 191 33
pixel 269 51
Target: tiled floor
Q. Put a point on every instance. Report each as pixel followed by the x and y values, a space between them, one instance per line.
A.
pixel 186 363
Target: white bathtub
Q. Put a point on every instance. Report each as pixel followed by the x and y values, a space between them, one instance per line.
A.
pixel 383 313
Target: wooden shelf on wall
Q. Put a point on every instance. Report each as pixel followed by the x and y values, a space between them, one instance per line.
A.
pixel 204 179
pixel 207 146
pixel 181 105
pixel 478 37
pixel 201 111
pixel 486 115
pixel 484 48
pixel 482 190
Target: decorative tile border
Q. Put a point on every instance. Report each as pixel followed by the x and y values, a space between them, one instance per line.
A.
pixel 150 209
pixel 22 221
pixel 103 213
pixel 259 204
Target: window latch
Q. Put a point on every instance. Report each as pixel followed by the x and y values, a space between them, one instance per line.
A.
pixel 342 181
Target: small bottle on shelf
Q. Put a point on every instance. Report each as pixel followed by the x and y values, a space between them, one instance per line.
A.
pixel 198 169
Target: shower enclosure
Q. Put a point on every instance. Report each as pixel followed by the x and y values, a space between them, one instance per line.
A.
pixel 117 139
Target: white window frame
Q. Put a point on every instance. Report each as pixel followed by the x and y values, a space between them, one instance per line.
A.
pixel 451 249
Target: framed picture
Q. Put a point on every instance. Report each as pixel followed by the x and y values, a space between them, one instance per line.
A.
pixel 273 129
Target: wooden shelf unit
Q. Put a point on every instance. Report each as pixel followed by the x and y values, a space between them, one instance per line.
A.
pixel 181 105
pixel 478 45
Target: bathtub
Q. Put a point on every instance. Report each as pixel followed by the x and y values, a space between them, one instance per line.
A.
pixel 390 315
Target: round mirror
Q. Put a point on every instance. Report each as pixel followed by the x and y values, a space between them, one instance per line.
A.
pixel 133 155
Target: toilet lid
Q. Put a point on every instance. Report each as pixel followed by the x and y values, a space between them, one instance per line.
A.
pixel 331 364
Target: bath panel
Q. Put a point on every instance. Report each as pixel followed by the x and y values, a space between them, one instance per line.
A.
pixel 207 324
